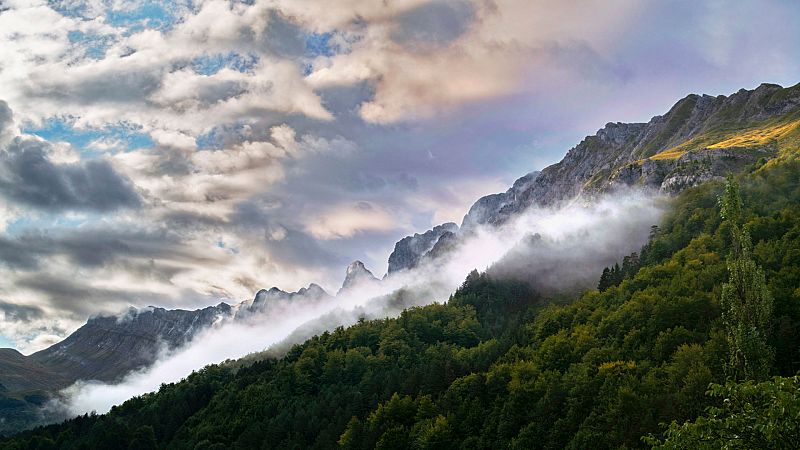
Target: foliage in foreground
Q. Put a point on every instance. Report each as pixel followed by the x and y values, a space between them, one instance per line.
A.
pixel 749 416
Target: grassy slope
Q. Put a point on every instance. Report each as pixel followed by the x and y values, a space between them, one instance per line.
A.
pixel 783 132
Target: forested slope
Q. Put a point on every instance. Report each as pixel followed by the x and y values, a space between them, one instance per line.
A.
pixel 497 366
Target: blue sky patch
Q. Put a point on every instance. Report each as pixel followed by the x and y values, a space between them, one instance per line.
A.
pixel 129 136
pixel 5 342
pixel 93 45
pixel 149 15
pixel 46 221
pixel 319 44
pixel 211 64
pixel 215 139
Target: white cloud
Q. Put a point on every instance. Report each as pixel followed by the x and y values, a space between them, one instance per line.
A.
pixel 347 220
pixel 510 46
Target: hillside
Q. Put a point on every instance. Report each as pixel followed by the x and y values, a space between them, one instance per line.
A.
pixel 497 366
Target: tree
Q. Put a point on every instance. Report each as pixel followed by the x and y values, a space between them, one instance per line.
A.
pixel 762 415
pixel 746 301
pixel 630 264
pixel 605 280
pixel 144 438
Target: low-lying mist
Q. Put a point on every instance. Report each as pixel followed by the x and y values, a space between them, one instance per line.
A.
pixel 555 250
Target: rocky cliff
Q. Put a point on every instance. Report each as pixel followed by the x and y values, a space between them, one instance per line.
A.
pixel 496 208
pixel 409 251
pixel 355 274
pixel 267 299
pixel 107 347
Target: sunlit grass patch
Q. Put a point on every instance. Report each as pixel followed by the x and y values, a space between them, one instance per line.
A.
pixel 758 137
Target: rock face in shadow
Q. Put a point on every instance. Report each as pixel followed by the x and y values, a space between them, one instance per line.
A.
pixel 496 208
pixel 409 251
pixel 107 347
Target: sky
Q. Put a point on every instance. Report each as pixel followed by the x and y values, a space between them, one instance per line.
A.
pixel 184 153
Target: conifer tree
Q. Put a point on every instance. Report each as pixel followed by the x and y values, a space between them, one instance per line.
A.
pixel 746 301
pixel 605 280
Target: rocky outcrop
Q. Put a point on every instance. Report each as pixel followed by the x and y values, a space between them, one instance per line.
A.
pixel 265 299
pixel 357 274
pixel 496 208
pixel 671 176
pixel 409 251
pixel 446 243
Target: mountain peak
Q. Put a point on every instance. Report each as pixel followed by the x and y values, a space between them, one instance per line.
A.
pixel 313 290
pixel 357 273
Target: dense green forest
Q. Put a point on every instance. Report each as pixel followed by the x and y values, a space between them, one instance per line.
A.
pixel 661 342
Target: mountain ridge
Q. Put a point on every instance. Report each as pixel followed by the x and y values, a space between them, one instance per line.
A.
pixel 700 138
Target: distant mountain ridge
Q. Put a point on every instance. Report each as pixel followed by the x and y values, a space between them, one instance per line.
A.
pixel 108 347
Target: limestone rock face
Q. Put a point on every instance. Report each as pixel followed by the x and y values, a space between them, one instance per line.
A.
pixel 357 274
pixel 409 251
pixel 496 208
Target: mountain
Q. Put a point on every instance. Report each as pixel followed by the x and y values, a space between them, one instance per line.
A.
pixel 104 349
pixel 19 373
pixel 699 139
pixel 498 366
pixel 356 274
pixel 107 347
pixel 496 208
pixel 411 249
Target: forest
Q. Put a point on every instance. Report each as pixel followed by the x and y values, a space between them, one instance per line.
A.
pixel 691 342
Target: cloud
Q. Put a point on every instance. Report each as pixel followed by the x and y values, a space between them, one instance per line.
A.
pixel 22 313
pixel 349 220
pixel 145 75
pixel 434 57
pixel 433 24
pixel 30 176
